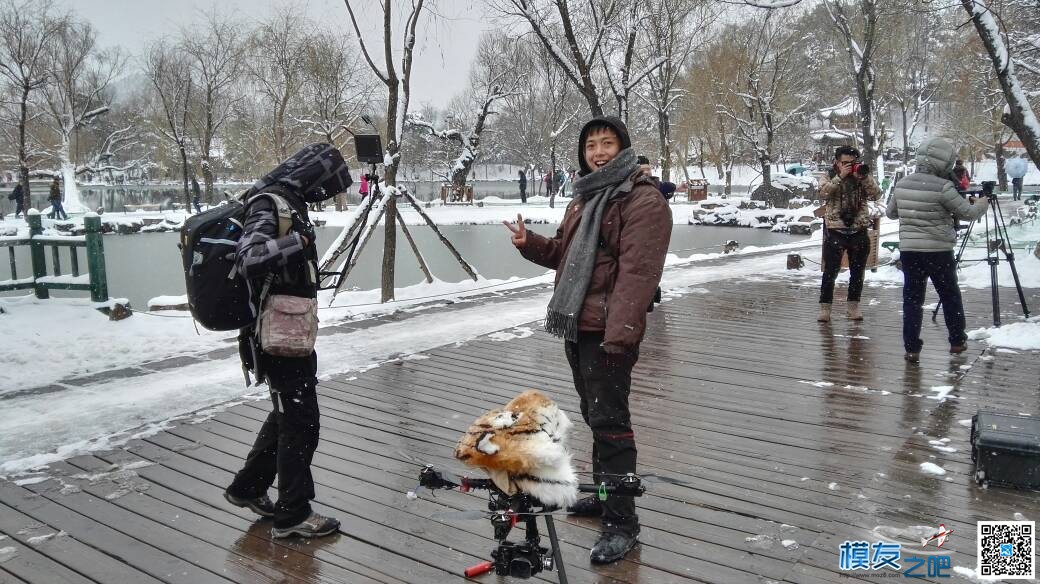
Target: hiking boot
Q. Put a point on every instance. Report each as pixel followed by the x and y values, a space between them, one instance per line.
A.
pixel 611 547
pixel 261 505
pixel 852 311
pixel 825 313
pixel 589 506
pixel 912 357
pixel 958 349
pixel 314 526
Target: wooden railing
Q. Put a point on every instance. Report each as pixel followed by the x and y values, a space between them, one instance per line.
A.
pixel 95 280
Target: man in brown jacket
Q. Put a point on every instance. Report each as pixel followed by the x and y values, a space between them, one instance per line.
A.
pixel 608 255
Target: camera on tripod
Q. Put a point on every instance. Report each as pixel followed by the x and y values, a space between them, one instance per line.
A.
pixel 987 190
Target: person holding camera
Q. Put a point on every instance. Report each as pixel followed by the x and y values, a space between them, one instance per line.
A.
pixel 846 217
pixel 927 203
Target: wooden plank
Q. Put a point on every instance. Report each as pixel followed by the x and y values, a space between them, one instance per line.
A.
pixel 145 557
pixel 69 551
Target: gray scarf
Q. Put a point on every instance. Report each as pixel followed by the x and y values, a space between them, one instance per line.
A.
pixel 597 189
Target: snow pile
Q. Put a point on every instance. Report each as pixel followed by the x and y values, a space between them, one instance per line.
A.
pixel 790 182
pixel 932 469
pixel 64 337
pixel 1024 336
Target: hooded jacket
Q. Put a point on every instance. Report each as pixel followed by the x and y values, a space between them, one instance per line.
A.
pixel 926 202
pixel 634 235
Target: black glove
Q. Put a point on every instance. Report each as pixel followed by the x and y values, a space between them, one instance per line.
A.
pixel 305 229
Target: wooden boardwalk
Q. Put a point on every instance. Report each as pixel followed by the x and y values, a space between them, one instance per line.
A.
pixel 791 437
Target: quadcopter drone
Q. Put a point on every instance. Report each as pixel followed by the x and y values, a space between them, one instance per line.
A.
pixel 526 558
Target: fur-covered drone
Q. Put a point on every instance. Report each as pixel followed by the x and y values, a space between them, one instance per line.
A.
pixel 522 447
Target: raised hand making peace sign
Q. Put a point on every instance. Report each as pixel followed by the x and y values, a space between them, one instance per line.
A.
pixel 519 232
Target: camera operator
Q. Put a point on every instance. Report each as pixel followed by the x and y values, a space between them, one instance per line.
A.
pixel 846 219
pixel 927 203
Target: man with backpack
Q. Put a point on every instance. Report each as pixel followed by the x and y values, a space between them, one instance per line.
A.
pixel 609 255
pixel 277 256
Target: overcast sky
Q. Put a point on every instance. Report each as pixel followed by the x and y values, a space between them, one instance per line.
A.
pixel 445 45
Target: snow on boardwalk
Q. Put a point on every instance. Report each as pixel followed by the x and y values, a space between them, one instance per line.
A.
pixel 779 469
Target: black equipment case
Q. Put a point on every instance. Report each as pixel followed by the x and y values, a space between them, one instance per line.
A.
pixel 1006 450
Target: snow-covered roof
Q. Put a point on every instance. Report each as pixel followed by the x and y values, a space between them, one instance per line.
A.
pixel 831 134
pixel 845 108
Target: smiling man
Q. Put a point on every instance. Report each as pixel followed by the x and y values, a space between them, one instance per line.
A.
pixel 608 255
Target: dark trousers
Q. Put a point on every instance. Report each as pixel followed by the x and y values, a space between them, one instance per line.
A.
pixel 1016 188
pixel 57 211
pixel 603 386
pixel 835 244
pixel 286 442
pixel 941 268
pixel 523 193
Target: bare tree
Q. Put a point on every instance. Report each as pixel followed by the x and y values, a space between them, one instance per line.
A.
pixel 492 78
pixel 169 72
pixel 216 50
pixel 78 91
pixel 1019 114
pixel 764 89
pixel 276 54
pixel 668 31
pixel 398 95
pixel 860 44
pixel 911 78
pixel 535 119
pixel 26 28
pixel 582 30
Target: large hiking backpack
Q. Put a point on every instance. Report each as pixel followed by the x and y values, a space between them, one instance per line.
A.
pixel 218 296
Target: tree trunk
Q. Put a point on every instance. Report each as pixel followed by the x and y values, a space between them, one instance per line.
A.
pixel 552 176
pixel 23 162
pixel 906 137
pixel 767 172
pixel 184 173
pixel 998 149
pixel 389 249
pixel 664 136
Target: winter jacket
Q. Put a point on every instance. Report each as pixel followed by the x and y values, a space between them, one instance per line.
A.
pixel 926 202
pixel 55 193
pixel 961 178
pixel 634 236
pixel 856 191
pixel 261 251
pixel 1017 168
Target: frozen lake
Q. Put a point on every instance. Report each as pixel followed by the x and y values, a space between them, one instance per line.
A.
pixel 146 265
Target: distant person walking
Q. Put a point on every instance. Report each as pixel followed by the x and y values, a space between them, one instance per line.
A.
pixel 18 197
pixel 1017 169
pixel 57 211
pixel 523 187
pixel 363 189
pixel 196 195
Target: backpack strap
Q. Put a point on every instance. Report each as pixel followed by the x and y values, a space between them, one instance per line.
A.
pixel 282 209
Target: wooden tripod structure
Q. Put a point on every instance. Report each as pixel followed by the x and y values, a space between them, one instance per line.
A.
pixel 347 248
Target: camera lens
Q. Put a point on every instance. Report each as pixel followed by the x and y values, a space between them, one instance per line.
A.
pixel 520 568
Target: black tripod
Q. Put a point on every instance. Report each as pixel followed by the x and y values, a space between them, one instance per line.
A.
pixel 994 247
